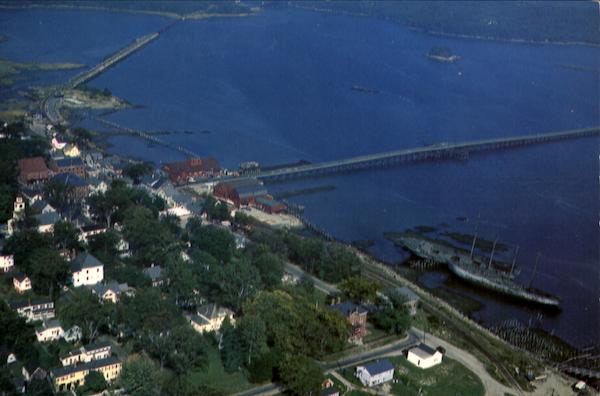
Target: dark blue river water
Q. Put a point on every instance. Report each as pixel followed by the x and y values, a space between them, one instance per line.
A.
pixel 276 88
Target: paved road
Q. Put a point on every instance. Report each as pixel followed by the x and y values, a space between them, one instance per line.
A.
pixel 325 287
pixel 393 348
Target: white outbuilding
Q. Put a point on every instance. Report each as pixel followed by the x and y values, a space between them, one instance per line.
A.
pixel 424 356
pixel 375 373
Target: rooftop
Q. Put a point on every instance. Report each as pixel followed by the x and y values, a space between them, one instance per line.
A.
pixel 406 292
pixel 70 179
pixel 68 162
pixel 94 364
pixel 32 164
pixel 155 272
pixel 35 301
pixel 378 367
pixel 347 307
pixel 45 219
pixel 84 260
pixel 423 351
pixel 207 164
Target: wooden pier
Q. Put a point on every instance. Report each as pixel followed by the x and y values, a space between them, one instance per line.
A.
pixel 443 151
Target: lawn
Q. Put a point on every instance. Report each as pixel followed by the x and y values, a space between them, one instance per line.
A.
pixel 448 379
pixel 214 374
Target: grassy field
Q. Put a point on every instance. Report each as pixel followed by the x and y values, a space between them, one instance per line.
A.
pixel 214 374
pixel 447 379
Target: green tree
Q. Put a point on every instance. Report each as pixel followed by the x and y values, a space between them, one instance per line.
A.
pixel 270 267
pixel 231 348
pixel 253 338
pixel 66 236
pixel 139 377
pixel 182 283
pixel 147 247
pixel 59 193
pixel 360 289
pixel 392 320
pixel 104 246
pixel 236 282
pixel 17 335
pixel 301 376
pixel 94 382
pixel 39 387
pixel 136 171
pixel 24 242
pixel 85 310
pixel 188 350
pixel 47 270
pixel 216 241
pixel 103 206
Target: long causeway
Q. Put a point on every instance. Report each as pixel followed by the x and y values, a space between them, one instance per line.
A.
pixel 425 153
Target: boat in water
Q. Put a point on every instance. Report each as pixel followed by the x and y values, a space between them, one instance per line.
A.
pixel 477 270
pixel 361 88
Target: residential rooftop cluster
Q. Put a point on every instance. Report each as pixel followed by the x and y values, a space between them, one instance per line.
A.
pixel 109 264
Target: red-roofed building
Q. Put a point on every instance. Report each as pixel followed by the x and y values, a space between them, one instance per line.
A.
pixel 33 170
pixel 193 169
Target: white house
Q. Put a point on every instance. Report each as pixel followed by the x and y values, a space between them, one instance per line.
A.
pixel 49 331
pixel 375 373
pixel 7 263
pixel 210 317
pixel 112 291
pixel 22 283
pixel 86 270
pixel 424 356
pixel 90 230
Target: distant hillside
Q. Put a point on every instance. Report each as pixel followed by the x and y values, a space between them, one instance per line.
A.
pixel 541 21
pixel 167 8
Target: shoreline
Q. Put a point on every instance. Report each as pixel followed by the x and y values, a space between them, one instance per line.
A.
pixel 167 14
pixel 446 34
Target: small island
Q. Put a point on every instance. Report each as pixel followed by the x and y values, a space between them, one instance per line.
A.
pixel 442 54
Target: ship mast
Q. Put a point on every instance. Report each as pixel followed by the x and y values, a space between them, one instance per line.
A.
pixel 475 236
pixel 492 255
pixel 537 259
pixel 514 261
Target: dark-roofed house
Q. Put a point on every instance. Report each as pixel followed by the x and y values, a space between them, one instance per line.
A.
pixel 112 291
pixel 424 356
pixel 155 273
pixel 412 300
pixel 33 170
pixel 356 316
pixel 210 317
pixel 69 165
pixel 46 221
pixel 192 169
pixel 85 354
pixel 36 309
pixel 86 270
pixel 240 192
pixel 375 373
pixel 78 187
pixel 32 370
pixel 41 206
pixel 70 377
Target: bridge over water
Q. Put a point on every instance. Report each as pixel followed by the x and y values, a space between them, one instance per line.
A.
pixel 459 151
pixel 115 58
